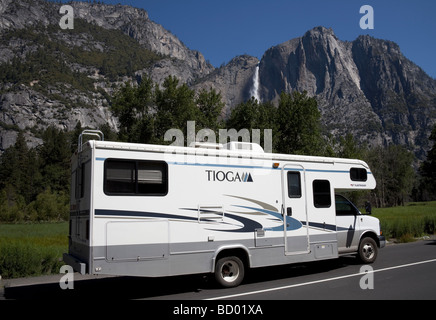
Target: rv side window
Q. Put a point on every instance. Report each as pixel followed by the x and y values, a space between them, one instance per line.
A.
pixel 129 177
pixel 152 178
pixel 294 184
pixel 321 194
pixel 358 174
pixel 120 177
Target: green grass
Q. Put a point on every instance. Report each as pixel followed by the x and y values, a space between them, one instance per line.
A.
pixel 32 249
pixel 404 223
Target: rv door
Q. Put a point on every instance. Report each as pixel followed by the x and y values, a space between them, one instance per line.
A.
pixel 294 209
pixel 347 224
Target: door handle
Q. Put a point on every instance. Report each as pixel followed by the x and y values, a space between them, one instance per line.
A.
pixel 289 211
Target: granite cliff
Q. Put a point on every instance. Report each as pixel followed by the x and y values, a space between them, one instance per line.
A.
pixel 366 86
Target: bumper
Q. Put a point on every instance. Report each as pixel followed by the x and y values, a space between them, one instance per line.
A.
pixel 382 241
pixel 75 263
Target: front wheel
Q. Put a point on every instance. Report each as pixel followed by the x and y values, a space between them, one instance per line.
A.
pixel 229 271
pixel 368 250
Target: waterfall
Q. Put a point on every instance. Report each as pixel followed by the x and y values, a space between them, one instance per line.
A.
pixel 254 92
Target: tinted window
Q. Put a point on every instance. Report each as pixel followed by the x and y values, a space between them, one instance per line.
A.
pixel 294 184
pixel 358 174
pixel 120 177
pixel 135 177
pixel 344 207
pixel 321 194
pixel 152 178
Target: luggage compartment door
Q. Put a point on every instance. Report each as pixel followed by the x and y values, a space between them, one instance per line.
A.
pixel 137 240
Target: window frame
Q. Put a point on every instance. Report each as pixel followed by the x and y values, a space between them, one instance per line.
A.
pixel 358 174
pixel 136 183
pixel 298 174
pixel 353 210
pixel 321 194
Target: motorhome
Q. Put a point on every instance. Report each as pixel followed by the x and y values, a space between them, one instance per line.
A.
pixel 154 211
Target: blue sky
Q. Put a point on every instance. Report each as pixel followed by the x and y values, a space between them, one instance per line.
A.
pixel 224 29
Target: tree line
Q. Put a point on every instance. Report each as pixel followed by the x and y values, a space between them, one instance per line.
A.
pixel 35 182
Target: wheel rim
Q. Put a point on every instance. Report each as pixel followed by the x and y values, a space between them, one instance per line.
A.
pixel 368 251
pixel 229 271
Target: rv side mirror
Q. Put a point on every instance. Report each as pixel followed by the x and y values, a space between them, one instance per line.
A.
pixel 368 208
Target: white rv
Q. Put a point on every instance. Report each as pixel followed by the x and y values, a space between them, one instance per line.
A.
pixel 149 210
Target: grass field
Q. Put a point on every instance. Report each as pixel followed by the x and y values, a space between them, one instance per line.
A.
pixel 36 249
pixel 405 223
pixel 32 249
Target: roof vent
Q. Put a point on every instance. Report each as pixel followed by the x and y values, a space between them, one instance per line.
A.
pixel 243 146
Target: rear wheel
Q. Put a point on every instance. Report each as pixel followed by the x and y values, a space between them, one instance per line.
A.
pixel 229 271
pixel 368 250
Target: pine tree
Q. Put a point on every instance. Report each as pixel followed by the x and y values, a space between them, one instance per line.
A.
pixel 299 125
pixel 428 170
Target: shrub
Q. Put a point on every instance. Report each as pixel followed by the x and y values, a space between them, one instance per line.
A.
pixel 32 249
pixel 19 259
pixel 49 206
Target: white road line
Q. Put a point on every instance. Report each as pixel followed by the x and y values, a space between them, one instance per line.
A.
pixel 319 281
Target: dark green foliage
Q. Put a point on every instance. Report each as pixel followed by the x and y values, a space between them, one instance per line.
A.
pixel 133 106
pixel 295 123
pixel 175 105
pixel 392 167
pixel 146 111
pixel 299 123
pixel 210 105
pixel 34 183
pixel 50 62
pixel 428 171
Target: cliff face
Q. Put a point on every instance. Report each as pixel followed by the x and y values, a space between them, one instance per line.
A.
pixel 234 81
pixel 131 21
pixel 366 87
pixel 77 84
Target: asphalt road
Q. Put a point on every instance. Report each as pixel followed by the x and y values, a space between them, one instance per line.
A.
pixel 402 271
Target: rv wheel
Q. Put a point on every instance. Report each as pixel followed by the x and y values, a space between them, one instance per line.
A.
pixel 368 250
pixel 229 271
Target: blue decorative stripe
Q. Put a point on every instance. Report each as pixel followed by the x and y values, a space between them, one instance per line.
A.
pixel 246 167
pixel 218 165
pixel 255 167
pixel 101 212
pixel 331 227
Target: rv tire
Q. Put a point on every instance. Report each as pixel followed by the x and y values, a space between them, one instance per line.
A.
pixel 229 271
pixel 367 250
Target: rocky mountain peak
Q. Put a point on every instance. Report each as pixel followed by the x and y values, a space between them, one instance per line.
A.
pixel 366 87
